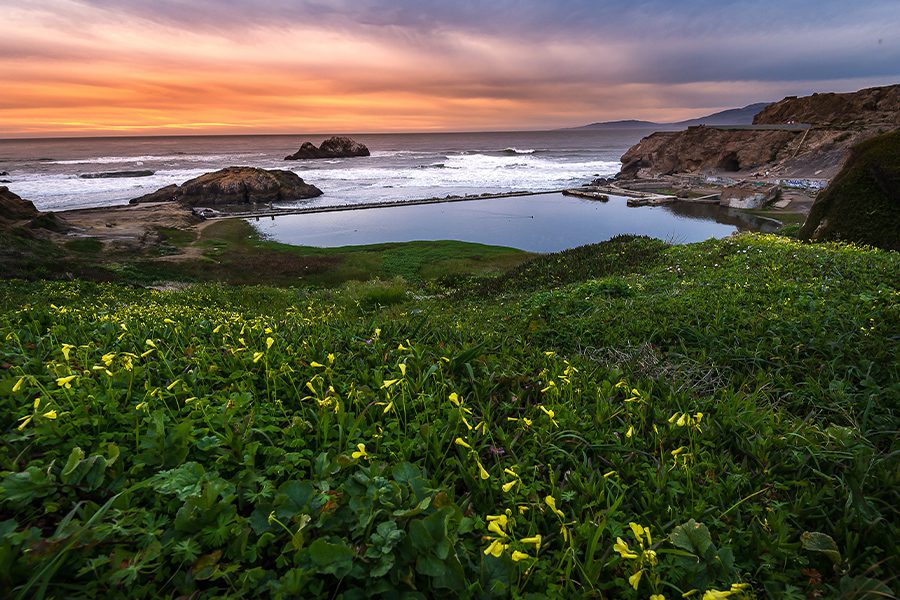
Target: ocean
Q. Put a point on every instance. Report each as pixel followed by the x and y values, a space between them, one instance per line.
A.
pixel 402 166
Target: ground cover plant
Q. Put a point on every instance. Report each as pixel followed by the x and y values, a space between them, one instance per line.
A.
pixel 718 423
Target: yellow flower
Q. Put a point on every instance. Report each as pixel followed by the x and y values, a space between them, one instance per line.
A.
pixel 257 356
pixel 172 385
pixel 19 384
pixel 454 398
pixel 65 350
pixel 402 369
pixel 517 556
pixel 496 527
pixel 66 382
pixel 681 420
pixel 506 487
pixel 331 358
pixel 387 382
pixel 551 502
pixel 388 408
pixel 630 432
pixel 622 548
pixel 716 594
pixel 108 358
pixel 152 345
pixel 635 579
pixel 25 421
pixel 461 442
pixel 657 597
pixel 535 539
pixel 50 414
pixel 496 548
pixel 482 472
pixel 550 385
pixel 316 365
pixel 361 453
pixel 269 342
pixel 738 587
pixel 502 519
pixel 609 474
pixel 141 406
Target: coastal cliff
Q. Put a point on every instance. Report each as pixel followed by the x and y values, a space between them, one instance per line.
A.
pixel 795 137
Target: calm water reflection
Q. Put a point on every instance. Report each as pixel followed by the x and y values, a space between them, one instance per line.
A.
pixel 542 223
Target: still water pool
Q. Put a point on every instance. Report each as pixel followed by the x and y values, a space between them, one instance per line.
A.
pixel 540 223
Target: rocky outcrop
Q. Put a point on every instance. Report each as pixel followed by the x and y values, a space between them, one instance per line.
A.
pixel 17 212
pixel 749 195
pixel 862 204
pixel 334 147
pixel 778 144
pixel 701 149
pixel 866 109
pixel 14 208
pixel 236 186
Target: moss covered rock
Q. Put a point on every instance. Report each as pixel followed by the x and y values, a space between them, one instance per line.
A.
pixel 862 204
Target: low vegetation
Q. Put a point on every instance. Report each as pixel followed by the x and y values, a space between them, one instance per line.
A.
pixel 628 420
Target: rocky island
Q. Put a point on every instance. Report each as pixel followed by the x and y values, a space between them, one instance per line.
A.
pixel 234 186
pixel 333 147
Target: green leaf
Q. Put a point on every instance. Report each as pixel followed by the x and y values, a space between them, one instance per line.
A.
pixel 693 537
pixel 335 559
pixel 182 482
pixel 75 457
pixel 815 541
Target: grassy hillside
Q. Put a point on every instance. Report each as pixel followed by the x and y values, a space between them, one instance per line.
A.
pixel 717 420
pixel 862 204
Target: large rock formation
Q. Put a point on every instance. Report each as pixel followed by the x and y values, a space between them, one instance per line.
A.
pixel 333 147
pixel 777 142
pixel 13 208
pixel 19 213
pixel 234 186
pixel 862 204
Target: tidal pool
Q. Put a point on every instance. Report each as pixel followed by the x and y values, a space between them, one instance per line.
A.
pixel 540 223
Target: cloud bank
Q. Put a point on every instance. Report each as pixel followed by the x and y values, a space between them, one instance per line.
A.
pixel 112 66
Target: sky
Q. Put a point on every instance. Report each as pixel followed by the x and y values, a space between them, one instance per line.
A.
pixel 150 67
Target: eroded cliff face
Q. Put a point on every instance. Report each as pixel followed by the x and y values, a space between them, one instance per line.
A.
pixel 775 144
pixel 868 109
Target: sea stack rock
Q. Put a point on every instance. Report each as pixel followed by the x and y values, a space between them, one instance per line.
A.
pixel 333 147
pixel 235 186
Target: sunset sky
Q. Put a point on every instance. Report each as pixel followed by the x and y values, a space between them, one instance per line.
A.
pixel 123 67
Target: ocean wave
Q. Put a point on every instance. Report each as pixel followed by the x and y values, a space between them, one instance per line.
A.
pixel 513 151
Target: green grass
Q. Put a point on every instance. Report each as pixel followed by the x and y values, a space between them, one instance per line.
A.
pixel 737 398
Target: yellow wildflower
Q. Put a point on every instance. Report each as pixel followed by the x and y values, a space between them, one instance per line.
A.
pixel 388 408
pixel 517 556
pixel 621 546
pixel 152 345
pixel 25 421
pixel 461 442
pixel 535 539
pixel 630 432
pixel 141 406
pixel 482 472
pixel 506 487
pixel 66 382
pixel 402 369
pixel 551 502
pixel 495 527
pixel 454 398
pixel 387 382
pixel 316 365
pixel 657 597
pixel 65 350
pixel 495 548
pixel 19 384
pixel 635 579
pixel 257 356
pixel 716 594
pixel 269 342
pixel 360 453
pixel 550 385
pixel 330 358
pixel 50 414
